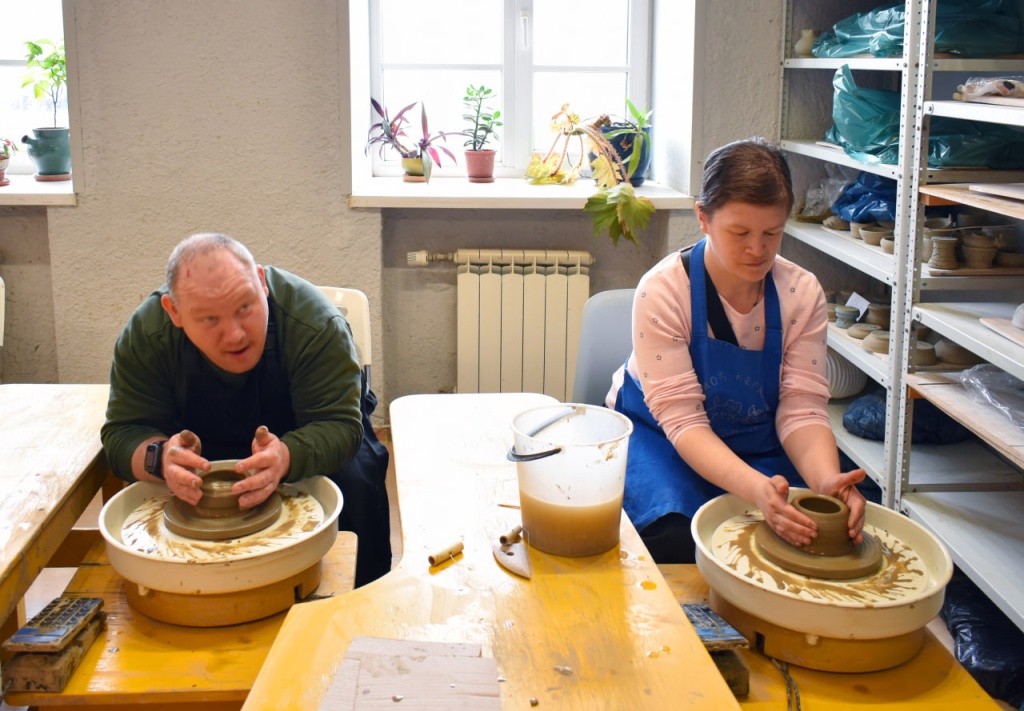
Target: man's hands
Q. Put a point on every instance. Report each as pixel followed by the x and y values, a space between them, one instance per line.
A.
pixel 270 462
pixel 181 457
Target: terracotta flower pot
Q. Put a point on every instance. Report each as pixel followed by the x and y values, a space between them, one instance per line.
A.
pixel 480 166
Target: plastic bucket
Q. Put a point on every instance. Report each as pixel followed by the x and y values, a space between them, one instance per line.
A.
pixel 571 464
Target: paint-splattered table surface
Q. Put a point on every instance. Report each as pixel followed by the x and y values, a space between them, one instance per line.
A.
pixel 600 632
pixel 51 466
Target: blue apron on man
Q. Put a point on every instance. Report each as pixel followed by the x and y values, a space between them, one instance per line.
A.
pixel 741 389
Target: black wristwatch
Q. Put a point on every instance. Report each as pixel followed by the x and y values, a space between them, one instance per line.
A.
pixel 154 461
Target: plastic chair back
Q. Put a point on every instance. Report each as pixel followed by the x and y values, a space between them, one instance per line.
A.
pixel 355 307
pixel 606 340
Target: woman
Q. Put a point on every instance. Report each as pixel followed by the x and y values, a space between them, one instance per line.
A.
pixel 726 384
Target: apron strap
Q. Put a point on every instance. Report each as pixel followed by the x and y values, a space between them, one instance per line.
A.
pixel 716 312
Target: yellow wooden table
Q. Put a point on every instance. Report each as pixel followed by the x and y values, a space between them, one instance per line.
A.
pixel 931 680
pixel 51 466
pixel 602 632
pixel 141 663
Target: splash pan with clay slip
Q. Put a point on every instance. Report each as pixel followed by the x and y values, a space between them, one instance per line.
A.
pixel 144 551
pixel 896 600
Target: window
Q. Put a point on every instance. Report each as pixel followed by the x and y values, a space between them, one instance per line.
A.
pixel 20 111
pixel 535 54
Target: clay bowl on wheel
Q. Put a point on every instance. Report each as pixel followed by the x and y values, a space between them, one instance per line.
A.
pixel 217 515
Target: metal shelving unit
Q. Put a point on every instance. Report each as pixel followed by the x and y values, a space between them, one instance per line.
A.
pixel 970 494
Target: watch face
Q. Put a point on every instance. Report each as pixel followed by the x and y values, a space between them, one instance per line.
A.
pixel 152 461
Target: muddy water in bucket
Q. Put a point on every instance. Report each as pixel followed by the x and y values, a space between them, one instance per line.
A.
pixel 571 464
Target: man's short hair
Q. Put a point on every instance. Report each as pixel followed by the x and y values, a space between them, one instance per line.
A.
pixel 202 244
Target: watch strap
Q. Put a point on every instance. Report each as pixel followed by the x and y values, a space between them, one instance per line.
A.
pixel 154 461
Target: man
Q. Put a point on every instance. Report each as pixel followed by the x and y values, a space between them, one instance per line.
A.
pixel 224 347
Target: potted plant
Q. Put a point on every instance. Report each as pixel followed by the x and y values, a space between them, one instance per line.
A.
pixel 419 155
pixel 7 147
pixel 615 207
pixel 50 149
pixel 483 122
pixel 631 138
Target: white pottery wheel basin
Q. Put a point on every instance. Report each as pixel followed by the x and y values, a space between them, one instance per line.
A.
pixel 230 573
pixel 835 609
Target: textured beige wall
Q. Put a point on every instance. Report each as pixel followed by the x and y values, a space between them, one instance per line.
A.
pixel 184 105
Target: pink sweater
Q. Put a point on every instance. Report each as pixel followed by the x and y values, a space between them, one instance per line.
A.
pixel 661 358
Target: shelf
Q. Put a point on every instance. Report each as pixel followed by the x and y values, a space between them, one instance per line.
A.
pixel 852 252
pixel 961 465
pixel 985 538
pixel 963 195
pixel 25 190
pixel 960 323
pixel 503 193
pixel 972 111
pixel 812 149
pixel 882 64
pixel 875 365
pixel 991 426
pixel 960 64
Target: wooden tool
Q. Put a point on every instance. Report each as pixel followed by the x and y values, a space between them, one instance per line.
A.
pixel 513 557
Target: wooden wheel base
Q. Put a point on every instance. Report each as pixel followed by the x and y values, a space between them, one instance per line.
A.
pixel 815 652
pixel 223 609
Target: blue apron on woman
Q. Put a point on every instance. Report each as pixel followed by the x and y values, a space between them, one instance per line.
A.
pixel 741 389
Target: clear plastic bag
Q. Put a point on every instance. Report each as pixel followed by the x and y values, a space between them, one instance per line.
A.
pixel 990 385
pixel 1012 87
pixel 819 200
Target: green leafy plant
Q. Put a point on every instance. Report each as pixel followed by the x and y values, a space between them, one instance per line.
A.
pixel 631 134
pixel 392 132
pixel 47 71
pixel 7 146
pixel 615 207
pixel 481 119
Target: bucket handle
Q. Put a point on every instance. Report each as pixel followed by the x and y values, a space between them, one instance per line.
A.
pixel 514 456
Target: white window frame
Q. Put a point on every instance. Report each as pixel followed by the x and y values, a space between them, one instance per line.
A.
pixel 676 92
pixel 517 69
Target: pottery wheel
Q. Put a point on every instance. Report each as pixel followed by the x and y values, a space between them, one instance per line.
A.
pixel 862 559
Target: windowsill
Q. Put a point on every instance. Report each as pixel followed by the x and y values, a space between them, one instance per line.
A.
pixel 503 193
pixel 26 190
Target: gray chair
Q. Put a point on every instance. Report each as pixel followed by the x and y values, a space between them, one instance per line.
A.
pixel 606 340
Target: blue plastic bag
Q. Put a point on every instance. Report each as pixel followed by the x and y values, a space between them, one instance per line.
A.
pixel 966 28
pixel 871 198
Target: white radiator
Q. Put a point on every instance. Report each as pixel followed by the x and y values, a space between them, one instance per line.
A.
pixel 519 314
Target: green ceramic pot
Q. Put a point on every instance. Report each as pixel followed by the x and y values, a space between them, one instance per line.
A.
pixel 50 150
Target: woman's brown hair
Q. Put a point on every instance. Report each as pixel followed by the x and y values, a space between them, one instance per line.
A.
pixel 752 171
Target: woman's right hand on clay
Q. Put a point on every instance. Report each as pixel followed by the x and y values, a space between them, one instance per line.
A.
pixel 181 459
pixel 792 526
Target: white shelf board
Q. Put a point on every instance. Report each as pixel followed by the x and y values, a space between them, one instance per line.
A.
pixel 960 465
pixel 960 323
pixel 503 193
pixel 960 64
pixel 867 453
pixel 26 190
pixel 875 365
pixel 988 113
pixel 993 427
pixel 812 149
pixel 985 537
pixel 852 252
pixel 881 64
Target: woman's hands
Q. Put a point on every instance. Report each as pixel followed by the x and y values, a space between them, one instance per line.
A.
pixel 796 528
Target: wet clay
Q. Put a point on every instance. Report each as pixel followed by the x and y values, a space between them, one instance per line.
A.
pixel 832 555
pixel 217 515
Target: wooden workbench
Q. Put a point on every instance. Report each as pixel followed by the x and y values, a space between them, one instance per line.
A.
pixel 931 680
pixel 138 662
pixel 51 466
pixel 602 632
